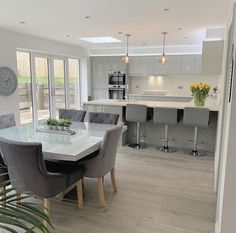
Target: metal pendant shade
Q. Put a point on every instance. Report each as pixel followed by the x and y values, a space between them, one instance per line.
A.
pixel 163 58
pixel 126 58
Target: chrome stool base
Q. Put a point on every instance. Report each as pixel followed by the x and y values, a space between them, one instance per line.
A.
pixel 167 149
pixel 138 146
pixel 195 153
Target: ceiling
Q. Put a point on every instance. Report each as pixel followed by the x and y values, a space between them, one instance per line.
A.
pixel 143 19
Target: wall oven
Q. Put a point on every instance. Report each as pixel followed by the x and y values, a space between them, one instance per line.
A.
pixel 117 78
pixel 117 91
pixel 117 85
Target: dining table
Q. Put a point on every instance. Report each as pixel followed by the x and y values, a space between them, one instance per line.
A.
pixel 87 138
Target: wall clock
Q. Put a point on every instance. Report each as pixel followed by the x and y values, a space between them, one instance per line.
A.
pixel 8 81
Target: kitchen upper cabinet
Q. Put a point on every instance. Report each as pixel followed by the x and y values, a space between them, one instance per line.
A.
pixel 212 57
pixel 134 66
pixel 174 64
pixel 188 64
pixel 147 65
pixel 159 68
pixel 100 72
pixel 116 64
pixel 198 64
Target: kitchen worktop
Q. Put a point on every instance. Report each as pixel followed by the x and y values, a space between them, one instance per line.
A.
pixel 212 104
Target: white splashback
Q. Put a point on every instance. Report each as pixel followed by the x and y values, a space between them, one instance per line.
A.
pixel 173 85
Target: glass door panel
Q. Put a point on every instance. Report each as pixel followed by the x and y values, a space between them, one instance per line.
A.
pixel 24 86
pixel 73 87
pixel 41 88
pixel 58 84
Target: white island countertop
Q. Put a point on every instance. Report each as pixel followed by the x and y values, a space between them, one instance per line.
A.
pixel 212 104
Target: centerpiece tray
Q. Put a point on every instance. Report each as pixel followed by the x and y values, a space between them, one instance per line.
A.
pixel 55 131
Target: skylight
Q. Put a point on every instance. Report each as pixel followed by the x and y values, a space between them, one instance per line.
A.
pixel 101 40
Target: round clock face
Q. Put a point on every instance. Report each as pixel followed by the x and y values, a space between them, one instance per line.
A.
pixel 8 81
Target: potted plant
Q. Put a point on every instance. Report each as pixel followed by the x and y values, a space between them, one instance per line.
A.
pixel 49 123
pixel 55 124
pixel 18 214
pixel 67 124
pixel 61 124
pixel 199 92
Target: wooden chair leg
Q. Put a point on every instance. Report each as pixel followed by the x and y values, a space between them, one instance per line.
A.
pixel 101 192
pixel 61 196
pixel 3 190
pixel 46 208
pixel 113 180
pixel 18 197
pixel 79 186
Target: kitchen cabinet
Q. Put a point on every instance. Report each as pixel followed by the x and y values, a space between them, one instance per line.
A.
pixel 100 72
pixel 134 66
pixel 198 64
pixel 100 93
pixel 159 68
pixel 174 64
pixel 188 64
pixel 116 64
pixel 212 57
pixel 147 65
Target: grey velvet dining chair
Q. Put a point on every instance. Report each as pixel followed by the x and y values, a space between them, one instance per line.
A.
pixel 103 118
pixel 6 121
pixel 72 114
pixel 30 175
pixel 104 162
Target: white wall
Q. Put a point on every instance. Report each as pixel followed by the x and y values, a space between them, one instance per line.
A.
pixel 11 41
pixel 172 84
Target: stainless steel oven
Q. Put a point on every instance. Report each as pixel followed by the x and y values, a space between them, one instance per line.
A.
pixel 117 78
pixel 117 91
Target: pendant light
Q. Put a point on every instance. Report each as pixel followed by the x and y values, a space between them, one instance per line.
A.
pixel 126 58
pixel 163 58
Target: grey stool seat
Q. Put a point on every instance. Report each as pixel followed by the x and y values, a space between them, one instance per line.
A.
pixel 72 114
pixel 196 117
pixel 166 117
pixel 137 113
pixel 103 118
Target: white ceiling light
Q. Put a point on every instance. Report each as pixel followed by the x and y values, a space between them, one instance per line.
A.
pixel 163 57
pixel 101 40
pixel 126 58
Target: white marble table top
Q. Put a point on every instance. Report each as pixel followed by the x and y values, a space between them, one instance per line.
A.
pixel 88 138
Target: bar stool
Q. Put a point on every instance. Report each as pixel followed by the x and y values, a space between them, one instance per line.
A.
pixel 196 117
pixel 137 113
pixel 166 117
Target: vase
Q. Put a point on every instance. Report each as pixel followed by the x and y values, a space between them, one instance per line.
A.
pixel 199 100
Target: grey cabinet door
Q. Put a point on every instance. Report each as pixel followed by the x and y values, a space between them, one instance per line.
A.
pixel 100 72
pixel 198 64
pixel 159 68
pixel 174 64
pixel 188 64
pixel 146 65
pixel 116 64
pixel 134 66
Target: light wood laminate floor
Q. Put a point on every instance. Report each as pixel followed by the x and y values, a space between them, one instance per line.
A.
pixel 157 193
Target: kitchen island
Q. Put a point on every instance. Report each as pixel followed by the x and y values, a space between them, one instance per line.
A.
pixel 154 132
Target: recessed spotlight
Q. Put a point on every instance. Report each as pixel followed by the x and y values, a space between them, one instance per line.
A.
pixel 186 37
pixel 179 29
pixel 166 9
pixel 67 35
pixel 120 33
pixel 22 22
pixel 88 17
pixel 144 44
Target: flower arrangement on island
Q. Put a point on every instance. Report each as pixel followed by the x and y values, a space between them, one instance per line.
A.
pixel 199 92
